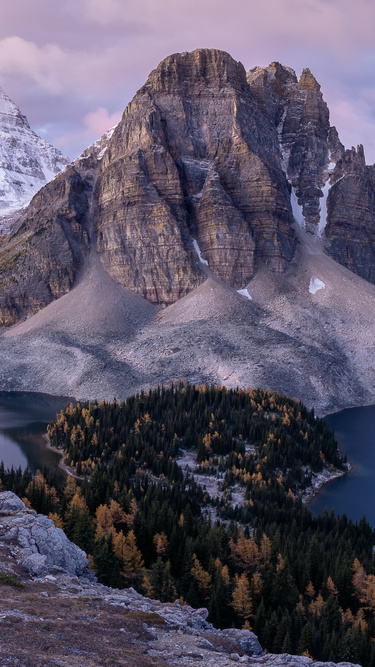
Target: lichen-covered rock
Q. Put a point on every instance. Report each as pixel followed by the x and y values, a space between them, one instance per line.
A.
pixel 246 639
pixel 37 544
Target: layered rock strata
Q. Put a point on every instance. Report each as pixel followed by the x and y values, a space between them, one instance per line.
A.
pixel 206 172
pixel 40 261
pixel 192 158
pixel 350 231
pixel 193 164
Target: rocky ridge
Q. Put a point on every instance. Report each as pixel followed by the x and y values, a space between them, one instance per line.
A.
pixel 208 166
pixel 125 270
pixel 27 162
pixel 65 618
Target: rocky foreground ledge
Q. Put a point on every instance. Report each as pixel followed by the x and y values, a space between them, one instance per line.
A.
pixel 61 616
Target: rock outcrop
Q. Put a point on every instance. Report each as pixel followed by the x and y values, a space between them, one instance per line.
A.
pixel 36 543
pixel 62 617
pixel 350 231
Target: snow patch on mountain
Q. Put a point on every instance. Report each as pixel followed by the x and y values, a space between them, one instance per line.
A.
pixel 245 293
pixel 323 203
pixel 323 209
pixel 27 162
pixel 99 147
pixel 297 209
pixel 315 285
pixel 197 250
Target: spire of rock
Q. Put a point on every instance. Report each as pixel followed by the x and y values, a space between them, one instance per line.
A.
pixel 308 81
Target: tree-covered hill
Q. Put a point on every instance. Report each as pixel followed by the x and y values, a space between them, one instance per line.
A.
pixel 303 584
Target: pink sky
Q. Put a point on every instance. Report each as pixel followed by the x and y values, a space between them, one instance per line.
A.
pixel 73 66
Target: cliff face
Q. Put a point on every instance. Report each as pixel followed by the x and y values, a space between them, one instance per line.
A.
pixel 308 145
pixel 350 231
pixel 208 167
pixel 41 260
pixel 192 158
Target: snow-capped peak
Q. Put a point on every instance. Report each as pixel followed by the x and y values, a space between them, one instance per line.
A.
pixel 9 111
pixel 27 162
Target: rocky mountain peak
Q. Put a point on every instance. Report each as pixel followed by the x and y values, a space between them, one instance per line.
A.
pixel 203 155
pixel 275 72
pixel 308 81
pixel 202 69
pixel 10 113
pixel 27 162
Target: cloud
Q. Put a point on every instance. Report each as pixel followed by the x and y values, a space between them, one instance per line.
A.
pixel 82 55
pixel 85 131
pixel 18 56
pixel 101 12
pixel 99 121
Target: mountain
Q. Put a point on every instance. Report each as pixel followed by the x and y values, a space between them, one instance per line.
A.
pixel 53 611
pixel 221 232
pixel 27 162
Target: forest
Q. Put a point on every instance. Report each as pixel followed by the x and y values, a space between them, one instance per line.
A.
pixel 251 552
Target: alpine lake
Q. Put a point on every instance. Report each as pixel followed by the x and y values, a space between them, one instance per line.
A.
pixel 353 494
pixel 24 417
pixel 23 422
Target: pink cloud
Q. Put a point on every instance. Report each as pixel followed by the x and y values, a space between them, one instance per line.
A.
pixel 95 54
pixel 99 121
pixel 95 123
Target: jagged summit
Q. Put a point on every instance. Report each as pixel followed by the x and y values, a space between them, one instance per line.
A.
pixel 9 111
pixel 27 162
pixel 212 182
pixel 308 81
pixel 210 68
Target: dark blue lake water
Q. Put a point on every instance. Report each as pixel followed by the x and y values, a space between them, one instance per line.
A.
pixel 23 419
pixel 353 494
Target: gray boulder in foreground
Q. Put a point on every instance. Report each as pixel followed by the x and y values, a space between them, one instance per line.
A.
pixel 37 544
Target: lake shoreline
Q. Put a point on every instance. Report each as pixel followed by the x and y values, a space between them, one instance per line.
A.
pixel 321 480
pixel 61 465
